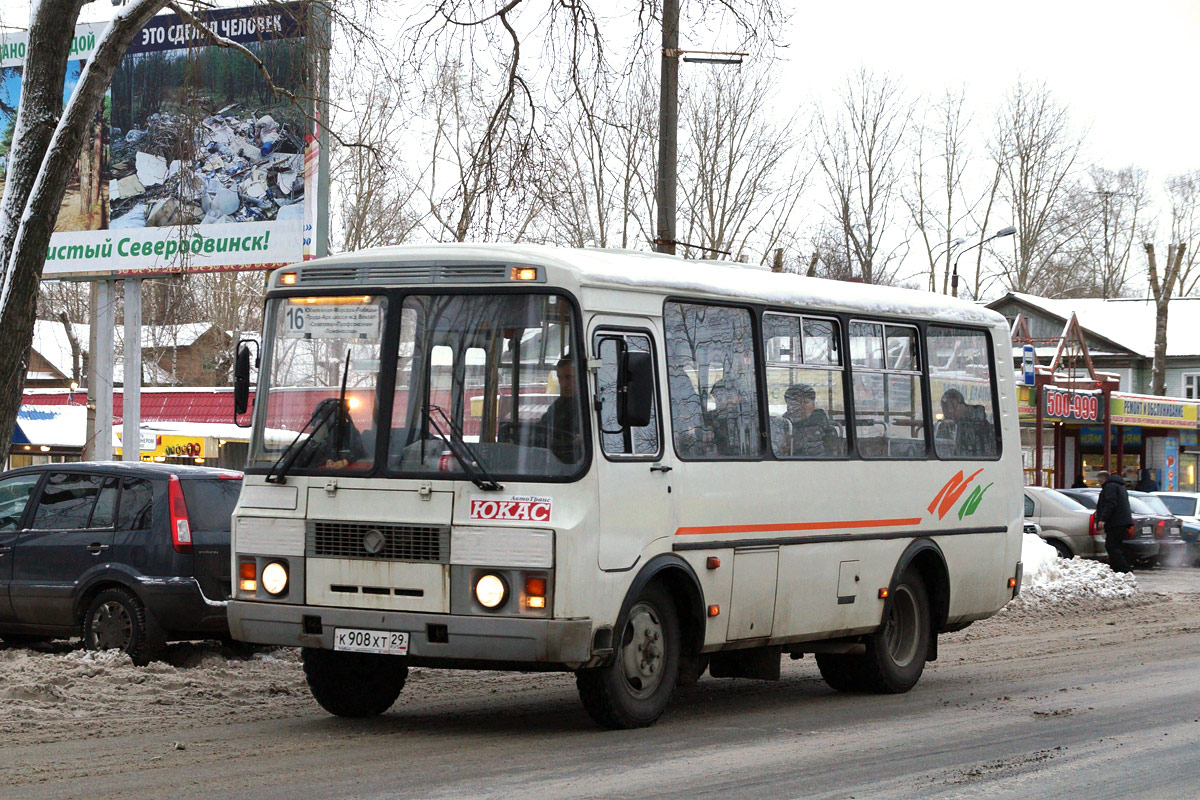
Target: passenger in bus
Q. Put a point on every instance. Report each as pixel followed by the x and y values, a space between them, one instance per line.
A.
pixel 810 426
pixel 725 420
pixel 964 430
pixel 561 420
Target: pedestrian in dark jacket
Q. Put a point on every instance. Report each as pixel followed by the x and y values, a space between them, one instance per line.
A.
pixel 1147 483
pixel 1112 511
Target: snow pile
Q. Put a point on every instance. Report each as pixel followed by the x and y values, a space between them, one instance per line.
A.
pixel 1051 583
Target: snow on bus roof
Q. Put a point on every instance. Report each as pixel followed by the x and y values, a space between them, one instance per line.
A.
pixel 659 272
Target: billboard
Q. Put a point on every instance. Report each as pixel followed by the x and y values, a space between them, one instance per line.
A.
pixel 193 163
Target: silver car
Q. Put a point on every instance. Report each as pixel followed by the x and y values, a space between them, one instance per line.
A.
pixel 1186 506
pixel 1066 524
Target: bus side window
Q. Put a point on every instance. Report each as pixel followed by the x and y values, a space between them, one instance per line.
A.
pixel 960 388
pixel 888 411
pixel 711 377
pixel 617 440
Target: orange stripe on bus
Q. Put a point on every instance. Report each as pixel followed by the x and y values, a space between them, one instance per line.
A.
pixel 799 526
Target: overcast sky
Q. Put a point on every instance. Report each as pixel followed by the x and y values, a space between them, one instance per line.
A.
pixel 1128 71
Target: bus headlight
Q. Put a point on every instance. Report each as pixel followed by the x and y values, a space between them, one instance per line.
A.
pixel 490 590
pixel 274 578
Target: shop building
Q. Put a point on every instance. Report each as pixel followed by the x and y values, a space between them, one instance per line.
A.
pixel 1086 406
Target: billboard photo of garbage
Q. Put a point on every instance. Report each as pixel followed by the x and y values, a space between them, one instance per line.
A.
pixel 194 162
pixel 83 207
pixel 198 138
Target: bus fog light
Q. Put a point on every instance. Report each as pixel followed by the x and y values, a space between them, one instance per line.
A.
pixel 275 578
pixel 490 591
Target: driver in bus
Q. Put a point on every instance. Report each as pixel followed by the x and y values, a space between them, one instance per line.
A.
pixel 964 429
pixel 561 420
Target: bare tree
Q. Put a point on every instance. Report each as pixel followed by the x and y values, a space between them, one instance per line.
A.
pixel 1161 291
pixel 934 194
pixel 858 150
pixel 741 181
pixel 1037 154
pixel 372 193
pixel 1113 206
pixel 1183 193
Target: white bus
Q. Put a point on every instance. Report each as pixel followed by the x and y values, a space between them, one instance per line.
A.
pixel 626 465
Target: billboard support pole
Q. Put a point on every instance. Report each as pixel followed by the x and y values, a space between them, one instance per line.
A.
pixel 324 33
pixel 131 401
pixel 101 364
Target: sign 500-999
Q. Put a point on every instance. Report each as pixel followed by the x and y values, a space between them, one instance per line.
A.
pixel 1072 406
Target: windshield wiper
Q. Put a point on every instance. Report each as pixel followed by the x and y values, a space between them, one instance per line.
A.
pixel 325 411
pixel 470 462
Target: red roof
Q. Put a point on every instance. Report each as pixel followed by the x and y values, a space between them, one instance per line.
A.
pixel 172 405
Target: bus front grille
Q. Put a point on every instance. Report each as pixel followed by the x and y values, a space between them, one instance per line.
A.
pixel 378 541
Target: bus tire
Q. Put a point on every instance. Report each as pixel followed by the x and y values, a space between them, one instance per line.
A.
pixel 353 684
pixel 633 691
pixel 843 673
pixel 895 656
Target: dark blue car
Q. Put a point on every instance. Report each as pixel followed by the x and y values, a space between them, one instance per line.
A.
pixel 126 555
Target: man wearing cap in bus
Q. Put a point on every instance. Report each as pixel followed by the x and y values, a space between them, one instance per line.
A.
pixel 810 425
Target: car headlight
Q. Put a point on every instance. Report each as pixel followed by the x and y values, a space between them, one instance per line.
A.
pixel 274 578
pixel 490 591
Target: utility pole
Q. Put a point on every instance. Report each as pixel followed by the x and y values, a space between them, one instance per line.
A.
pixel 668 129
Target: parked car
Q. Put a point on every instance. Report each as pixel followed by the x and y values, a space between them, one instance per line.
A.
pixel 126 555
pixel 1186 506
pixel 1065 523
pixel 1172 547
pixel 1142 544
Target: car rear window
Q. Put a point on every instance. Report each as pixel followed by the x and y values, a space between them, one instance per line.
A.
pixel 210 502
pixel 1148 504
pixel 1083 498
pixel 1180 506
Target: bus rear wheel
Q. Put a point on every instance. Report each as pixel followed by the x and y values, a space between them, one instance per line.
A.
pixel 634 690
pixel 895 656
pixel 353 684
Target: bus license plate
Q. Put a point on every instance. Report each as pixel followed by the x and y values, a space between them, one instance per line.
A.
pixel 360 640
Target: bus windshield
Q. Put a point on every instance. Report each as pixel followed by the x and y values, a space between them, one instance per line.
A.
pixel 483 385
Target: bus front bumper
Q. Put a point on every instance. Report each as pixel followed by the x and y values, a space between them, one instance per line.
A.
pixel 432 637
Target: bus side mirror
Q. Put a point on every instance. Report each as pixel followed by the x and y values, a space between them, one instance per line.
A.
pixel 635 389
pixel 241 379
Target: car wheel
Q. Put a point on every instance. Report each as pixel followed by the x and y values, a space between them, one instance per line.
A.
pixel 354 684
pixel 633 691
pixel 1063 550
pixel 116 620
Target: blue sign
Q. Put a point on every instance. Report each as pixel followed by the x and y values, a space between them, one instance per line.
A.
pixel 1170 469
pixel 1093 436
pixel 1027 362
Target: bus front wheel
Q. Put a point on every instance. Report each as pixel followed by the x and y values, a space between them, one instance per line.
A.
pixel 353 684
pixel 633 691
pixel 895 656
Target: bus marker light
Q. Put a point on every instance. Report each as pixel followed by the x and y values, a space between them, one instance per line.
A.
pixel 288 279
pixel 524 273
pixel 883 594
pixel 247 573
pixel 536 602
pixel 1012 582
pixel 712 562
pixel 714 610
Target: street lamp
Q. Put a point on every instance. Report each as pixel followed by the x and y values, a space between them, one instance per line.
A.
pixel 956 243
pixel 1009 231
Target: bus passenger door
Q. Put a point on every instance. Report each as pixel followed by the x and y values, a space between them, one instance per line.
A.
pixel 633 472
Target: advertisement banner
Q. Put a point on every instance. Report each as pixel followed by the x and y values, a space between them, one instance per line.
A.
pixel 193 163
pixel 1153 412
pixel 1170 467
pixel 1093 436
